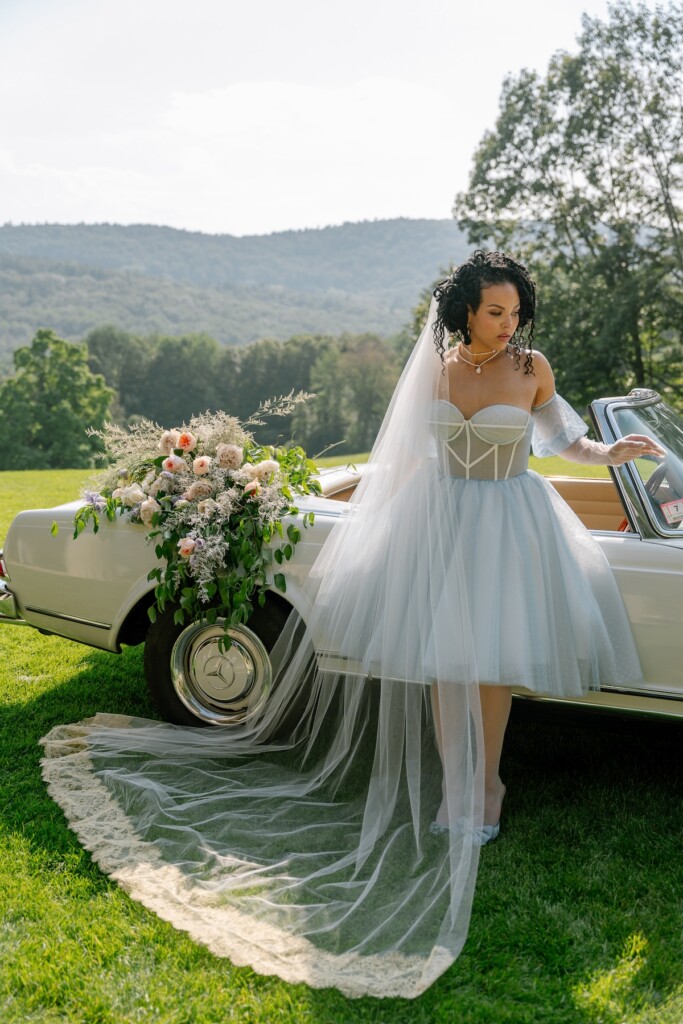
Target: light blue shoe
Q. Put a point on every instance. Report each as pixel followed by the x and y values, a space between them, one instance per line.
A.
pixel 481 835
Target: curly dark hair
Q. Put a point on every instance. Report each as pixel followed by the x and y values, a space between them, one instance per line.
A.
pixel 463 289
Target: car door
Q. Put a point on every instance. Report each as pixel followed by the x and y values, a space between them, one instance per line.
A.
pixel 647 557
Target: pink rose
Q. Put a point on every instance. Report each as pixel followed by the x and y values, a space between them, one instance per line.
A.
pixel 229 456
pixel 186 441
pixel 253 488
pixel 168 441
pixel 199 489
pixel 174 464
pixel 185 547
pixel 201 465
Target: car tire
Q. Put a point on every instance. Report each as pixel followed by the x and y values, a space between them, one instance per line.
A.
pixel 193 681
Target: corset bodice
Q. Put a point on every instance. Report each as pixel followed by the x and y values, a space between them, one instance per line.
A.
pixel 493 444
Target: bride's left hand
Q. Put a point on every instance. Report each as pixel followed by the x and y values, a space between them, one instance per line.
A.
pixel 634 446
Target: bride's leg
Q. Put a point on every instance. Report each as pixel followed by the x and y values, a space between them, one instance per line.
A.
pixel 495 711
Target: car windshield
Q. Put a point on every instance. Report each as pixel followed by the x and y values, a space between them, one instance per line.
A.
pixel 662 478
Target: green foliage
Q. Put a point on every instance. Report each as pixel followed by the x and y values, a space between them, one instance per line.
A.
pixel 46 408
pixel 583 176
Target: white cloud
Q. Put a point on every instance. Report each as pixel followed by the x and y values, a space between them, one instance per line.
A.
pixel 255 156
pixel 251 118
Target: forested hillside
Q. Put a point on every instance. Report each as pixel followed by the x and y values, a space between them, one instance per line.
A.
pixel 356 278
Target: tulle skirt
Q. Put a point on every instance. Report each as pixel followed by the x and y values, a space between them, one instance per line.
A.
pixel 517 592
pixel 543 605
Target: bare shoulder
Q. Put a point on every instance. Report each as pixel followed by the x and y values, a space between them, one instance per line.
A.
pixel 541 365
pixel 545 379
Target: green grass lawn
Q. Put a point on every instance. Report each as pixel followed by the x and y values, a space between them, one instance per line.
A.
pixel 578 915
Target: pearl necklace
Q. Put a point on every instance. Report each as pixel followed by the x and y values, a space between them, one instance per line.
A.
pixel 478 366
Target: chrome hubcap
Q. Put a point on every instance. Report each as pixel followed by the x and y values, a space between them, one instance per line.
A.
pixel 218 686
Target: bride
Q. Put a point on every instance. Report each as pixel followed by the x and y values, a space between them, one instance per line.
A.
pixel 335 839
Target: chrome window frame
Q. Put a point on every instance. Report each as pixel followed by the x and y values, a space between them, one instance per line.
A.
pixel 628 481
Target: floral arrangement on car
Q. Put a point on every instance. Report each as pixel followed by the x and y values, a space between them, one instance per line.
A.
pixel 214 502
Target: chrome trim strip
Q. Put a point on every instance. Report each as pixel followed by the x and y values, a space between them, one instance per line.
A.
pixel 69 618
pixel 641 691
pixel 609 709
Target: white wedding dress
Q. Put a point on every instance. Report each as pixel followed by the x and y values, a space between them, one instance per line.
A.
pixel 300 844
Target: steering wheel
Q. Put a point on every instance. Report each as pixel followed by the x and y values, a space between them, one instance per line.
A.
pixel 652 485
pixel 671 470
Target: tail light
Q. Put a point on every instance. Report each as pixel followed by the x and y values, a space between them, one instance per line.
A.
pixel 3 568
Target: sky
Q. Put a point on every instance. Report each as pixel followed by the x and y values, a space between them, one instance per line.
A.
pixel 230 116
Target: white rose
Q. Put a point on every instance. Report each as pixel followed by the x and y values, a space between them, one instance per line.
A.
pixel 147 509
pixel 207 507
pixel 266 469
pixel 168 441
pixel 132 495
pixel 229 456
pixel 198 490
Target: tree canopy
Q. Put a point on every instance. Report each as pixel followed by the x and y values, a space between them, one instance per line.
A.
pixel 46 408
pixel 583 176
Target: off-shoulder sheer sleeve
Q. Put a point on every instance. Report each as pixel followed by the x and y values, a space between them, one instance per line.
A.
pixel 556 427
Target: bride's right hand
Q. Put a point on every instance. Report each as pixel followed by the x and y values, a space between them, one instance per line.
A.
pixel 634 446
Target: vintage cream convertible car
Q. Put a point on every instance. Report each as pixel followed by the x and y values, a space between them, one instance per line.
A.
pixel 97 592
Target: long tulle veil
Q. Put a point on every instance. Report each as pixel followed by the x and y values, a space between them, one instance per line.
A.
pixel 299 843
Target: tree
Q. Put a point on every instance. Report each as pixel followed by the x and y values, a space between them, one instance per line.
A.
pixel 583 175
pixel 177 381
pixel 369 372
pixel 46 408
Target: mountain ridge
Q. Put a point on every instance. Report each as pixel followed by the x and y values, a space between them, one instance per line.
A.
pixel 359 276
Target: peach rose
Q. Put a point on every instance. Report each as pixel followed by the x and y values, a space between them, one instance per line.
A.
pixel 186 441
pixel 174 464
pixel 249 471
pixel 201 465
pixel 168 441
pixel 185 547
pixel 253 488
pixel 229 456
pixel 199 489
pixel 147 509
